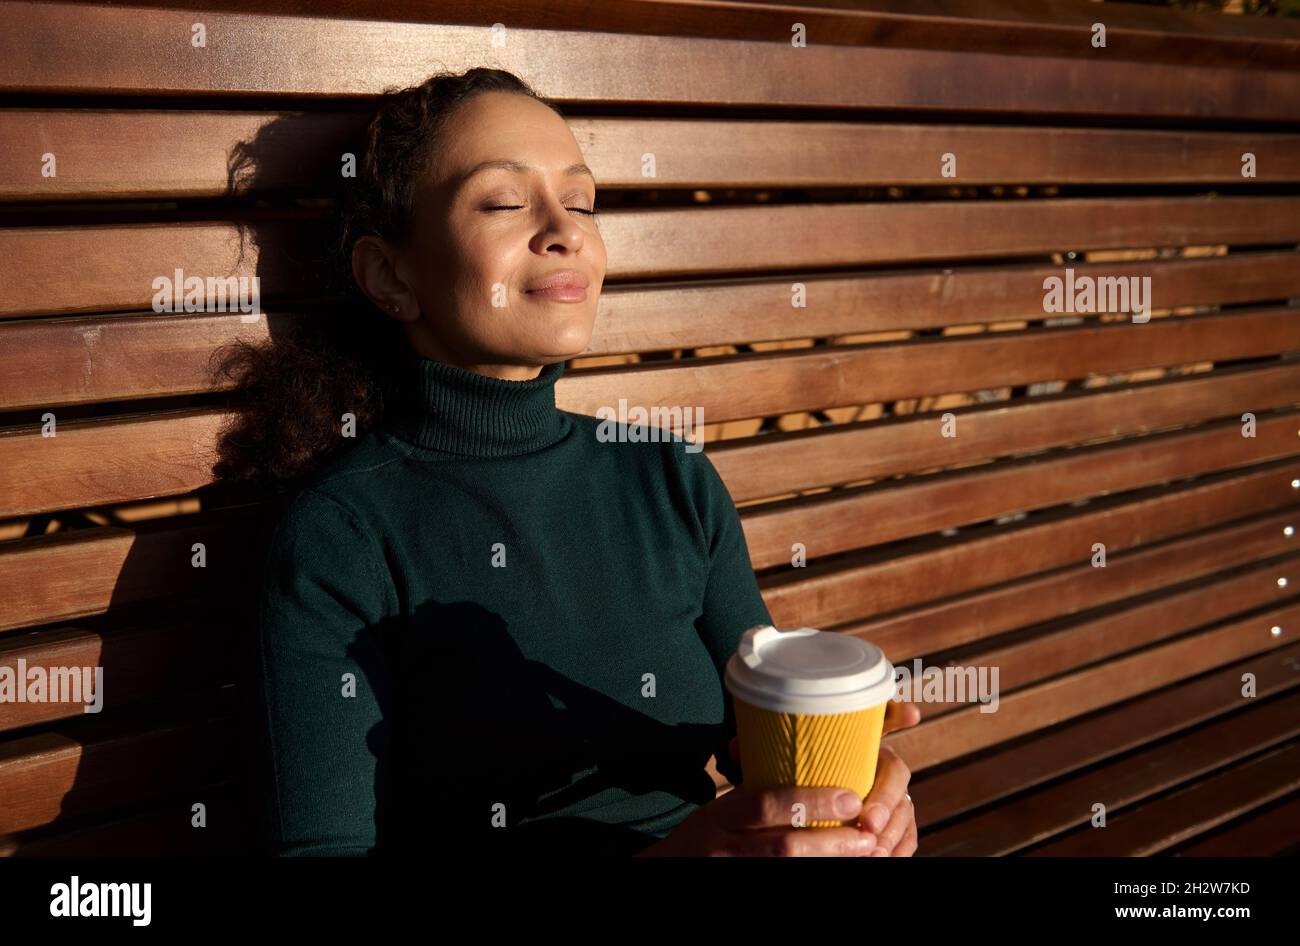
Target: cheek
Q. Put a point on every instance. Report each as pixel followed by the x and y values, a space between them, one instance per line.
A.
pixel 490 264
pixel 596 249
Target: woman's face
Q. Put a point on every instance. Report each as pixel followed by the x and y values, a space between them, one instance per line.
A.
pixel 504 207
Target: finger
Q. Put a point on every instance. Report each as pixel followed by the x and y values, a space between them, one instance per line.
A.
pixel 897 827
pixel 892 778
pixel 900 715
pixel 907 846
pixel 804 842
pixel 780 807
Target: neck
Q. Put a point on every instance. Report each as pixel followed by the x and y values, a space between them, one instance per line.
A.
pixel 454 410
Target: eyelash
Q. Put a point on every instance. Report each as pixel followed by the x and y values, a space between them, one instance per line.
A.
pixel 581 210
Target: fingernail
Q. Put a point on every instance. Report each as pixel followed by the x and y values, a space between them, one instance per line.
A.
pixel 877 817
pixel 847 803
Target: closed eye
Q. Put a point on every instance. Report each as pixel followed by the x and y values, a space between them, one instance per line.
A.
pixel 581 210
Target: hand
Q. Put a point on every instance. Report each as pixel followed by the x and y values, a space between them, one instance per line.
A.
pixel 888 809
pixel 888 801
pixel 760 824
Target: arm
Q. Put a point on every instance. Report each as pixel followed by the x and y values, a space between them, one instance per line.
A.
pixel 732 601
pixel 324 595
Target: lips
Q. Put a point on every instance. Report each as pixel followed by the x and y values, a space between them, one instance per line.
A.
pixel 561 279
pixel 565 285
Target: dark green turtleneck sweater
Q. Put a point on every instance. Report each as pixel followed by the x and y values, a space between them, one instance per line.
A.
pixel 485 630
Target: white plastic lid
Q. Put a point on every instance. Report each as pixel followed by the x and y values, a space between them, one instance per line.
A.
pixel 808 671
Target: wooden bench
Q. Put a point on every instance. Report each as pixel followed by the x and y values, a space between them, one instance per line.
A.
pixel 775 165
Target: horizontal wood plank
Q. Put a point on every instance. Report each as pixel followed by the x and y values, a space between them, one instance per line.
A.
pixel 83 572
pixel 163 831
pixel 1061 645
pixel 97 462
pixel 1160 824
pixel 776 463
pixel 1080 592
pixel 113 153
pixel 998 773
pixel 140 660
pixel 60 270
pixel 736 388
pixel 41 51
pixel 1271 832
pixel 1063 28
pixel 51 776
pixel 92 360
pixel 55 270
pixel 893 577
pixel 1026 710
pixel 859 517
pixel 1120 785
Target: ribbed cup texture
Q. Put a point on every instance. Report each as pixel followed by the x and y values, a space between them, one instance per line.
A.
pixel 838 750
pixel 454 410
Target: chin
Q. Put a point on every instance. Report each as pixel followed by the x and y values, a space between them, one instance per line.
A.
pixel 568 343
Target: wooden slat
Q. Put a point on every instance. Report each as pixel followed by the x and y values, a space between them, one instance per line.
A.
pixel 855 518
pixel 730 388
pixel 93 463
pixel 1108 631
pixel 71 361
pixel 76 574
pixel 1062 28
pixel 115 267
pixel 53 270
pixel 62 576
pixel 116 153
pixel 51 776
pixel 122 459
pixel 1273 832
pixel 141 660
pixel 736 388
pixel 75 360
pixel 1197 751
pixel 773 464
pixel 1074 746
pixel 953 735
pixel 112 153
pixel 165 831
pixel 1061 593
pixel 720 312
pixel 1152 827
pixel 931 569
pixel 151 52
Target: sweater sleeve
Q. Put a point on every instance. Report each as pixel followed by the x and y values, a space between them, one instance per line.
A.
pixel 732 600
pixel 326 680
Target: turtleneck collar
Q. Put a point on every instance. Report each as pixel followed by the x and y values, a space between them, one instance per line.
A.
pixel 453 410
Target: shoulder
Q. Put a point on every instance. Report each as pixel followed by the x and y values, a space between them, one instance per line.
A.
pixel 318 537
pixel 371 455
pixel 329 504
pixel 332 491
pixel 657 458
pixel 643 444
pixel 315 521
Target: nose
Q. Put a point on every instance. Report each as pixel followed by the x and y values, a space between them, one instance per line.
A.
pixel 558 229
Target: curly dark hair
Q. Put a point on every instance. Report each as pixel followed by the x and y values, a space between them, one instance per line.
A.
pixel 296 387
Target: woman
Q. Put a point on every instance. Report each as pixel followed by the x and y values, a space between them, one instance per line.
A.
pixel 483 625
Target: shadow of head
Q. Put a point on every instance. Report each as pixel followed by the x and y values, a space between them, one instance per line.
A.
pixel 482 736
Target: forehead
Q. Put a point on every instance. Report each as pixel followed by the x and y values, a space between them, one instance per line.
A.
pixel 499 126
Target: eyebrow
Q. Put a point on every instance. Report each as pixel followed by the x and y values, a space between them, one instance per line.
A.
pixel 507 164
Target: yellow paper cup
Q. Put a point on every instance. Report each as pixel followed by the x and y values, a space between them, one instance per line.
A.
pixel 810 709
